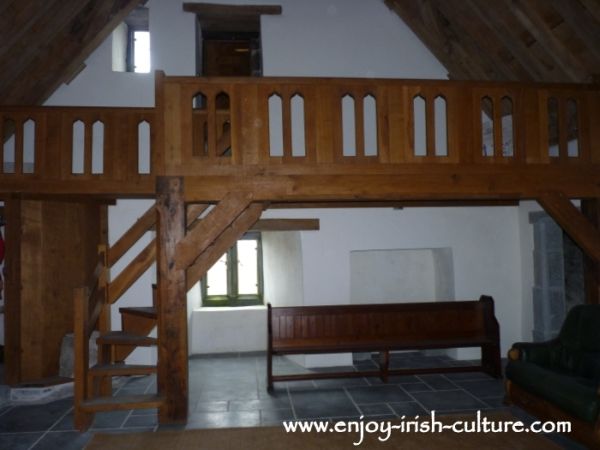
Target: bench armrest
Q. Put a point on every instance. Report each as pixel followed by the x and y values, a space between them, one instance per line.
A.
pixel 534 352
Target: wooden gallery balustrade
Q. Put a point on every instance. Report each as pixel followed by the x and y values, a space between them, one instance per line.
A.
pixel 298 139
pixel 242 143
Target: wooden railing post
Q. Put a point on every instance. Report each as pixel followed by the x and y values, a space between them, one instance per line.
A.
pixel 82 420
pixel 104 321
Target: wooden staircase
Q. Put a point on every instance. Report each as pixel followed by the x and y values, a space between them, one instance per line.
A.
pixel 207 239
pixel 93 385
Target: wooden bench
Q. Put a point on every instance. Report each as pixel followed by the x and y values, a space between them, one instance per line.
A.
pixel 383 328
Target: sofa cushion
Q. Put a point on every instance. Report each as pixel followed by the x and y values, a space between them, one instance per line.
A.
pixel 571 393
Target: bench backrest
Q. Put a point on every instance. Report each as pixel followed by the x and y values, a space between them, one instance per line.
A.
pixel 376 322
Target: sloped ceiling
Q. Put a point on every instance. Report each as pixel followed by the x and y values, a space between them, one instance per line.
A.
pixel 44 43
pixel 509 40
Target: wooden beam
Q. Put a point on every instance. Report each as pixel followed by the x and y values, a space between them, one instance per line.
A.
pixel 573 222
pixel 463 23
pixel 394 205
pixel 591 269
pixel 132 272
pixel 286 225
pixel 132 235
pixel 423 183
pixel 227 239
pixel 229 11
pixel 582 23
pixel 172 313
pixel 531 19
pixel 193 213
pixel 198 239
pixel 509 37
pixel 593 7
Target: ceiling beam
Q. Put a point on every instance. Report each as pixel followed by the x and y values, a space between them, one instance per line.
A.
pixel 227 11
pixel 286 225
pixel 510 39
pixel 531 19
pixel 582 23
pixel 593 7
pixel 463 23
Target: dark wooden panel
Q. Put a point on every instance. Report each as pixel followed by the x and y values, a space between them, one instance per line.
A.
pixel 55 245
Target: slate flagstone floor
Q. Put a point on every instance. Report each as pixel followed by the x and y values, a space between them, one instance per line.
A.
pixel 230 391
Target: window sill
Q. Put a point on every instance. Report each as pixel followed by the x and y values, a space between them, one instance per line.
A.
pixel 231 308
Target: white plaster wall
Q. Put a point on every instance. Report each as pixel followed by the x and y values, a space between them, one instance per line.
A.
pixel 283 272
pixel 226 330
pixel 345 38
pixel 283 268
pixel 119 48
pixel 392 276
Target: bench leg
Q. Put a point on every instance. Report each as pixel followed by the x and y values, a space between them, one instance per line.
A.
pixel 269 371
pixel 384 365
pixel 490 360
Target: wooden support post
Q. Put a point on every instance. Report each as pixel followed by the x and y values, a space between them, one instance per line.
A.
pixel 172 309
pixel 591 269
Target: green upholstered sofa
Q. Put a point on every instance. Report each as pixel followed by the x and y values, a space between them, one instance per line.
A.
pixel 559 379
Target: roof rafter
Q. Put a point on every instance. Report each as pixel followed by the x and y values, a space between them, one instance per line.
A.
pixel 523 40
pixel 46 43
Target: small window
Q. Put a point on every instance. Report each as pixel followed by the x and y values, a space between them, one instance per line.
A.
pixel 131 43
pixel 236 279
pixel 139 58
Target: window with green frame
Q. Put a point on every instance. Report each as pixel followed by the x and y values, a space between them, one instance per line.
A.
pixel 236 279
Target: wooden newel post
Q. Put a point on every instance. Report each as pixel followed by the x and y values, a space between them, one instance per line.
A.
pixel 172 310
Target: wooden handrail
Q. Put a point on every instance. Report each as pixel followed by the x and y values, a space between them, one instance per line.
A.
pixel 145 223
pixel 141 263
pixel 132 272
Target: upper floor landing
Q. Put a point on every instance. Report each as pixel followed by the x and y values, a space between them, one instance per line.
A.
pixel 314 139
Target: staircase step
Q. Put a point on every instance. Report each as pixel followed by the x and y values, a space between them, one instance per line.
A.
pixel 114 370
pixel 124 338
pixel 124 402
pixel 143 311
